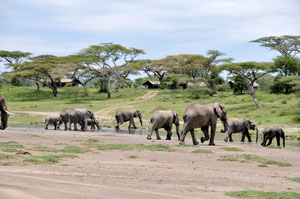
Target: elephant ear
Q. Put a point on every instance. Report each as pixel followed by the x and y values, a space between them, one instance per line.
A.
pixel 246 124
pixel 175 117
pixel 136 113
pixel 218 109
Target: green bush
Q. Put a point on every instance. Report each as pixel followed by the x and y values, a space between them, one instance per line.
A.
pixel 196 92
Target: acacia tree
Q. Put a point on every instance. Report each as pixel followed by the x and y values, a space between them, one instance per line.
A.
pixel 248 72
pixel 199 66
pixel 43 69
pixel 287 45
pixel 13 57
pixel 108 59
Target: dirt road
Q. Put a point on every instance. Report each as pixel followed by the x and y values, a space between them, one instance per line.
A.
pixel 178 173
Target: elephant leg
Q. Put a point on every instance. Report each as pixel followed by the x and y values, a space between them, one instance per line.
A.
pixel 205 132
pixel 270 141
pixel 150 134
pixel 55 125
pixel 246 133
pixel 169 135
pixel 46 127
pixel 183 133
pixel 65 126
pixel 212 134
pixel 230 138
pixel 75 126
pixel 278 140
pixel 195 142
pixel 133 123
pixel 157 134
pixel 243 137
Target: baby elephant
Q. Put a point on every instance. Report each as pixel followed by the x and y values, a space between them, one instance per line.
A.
pixel 163 119
pixel 270 132
pixel 241 125
pixel 93 123
pixel 56 121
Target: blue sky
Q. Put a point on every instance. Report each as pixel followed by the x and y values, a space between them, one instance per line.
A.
pixel 160 27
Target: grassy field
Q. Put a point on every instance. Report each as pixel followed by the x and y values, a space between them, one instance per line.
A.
pixel 276 107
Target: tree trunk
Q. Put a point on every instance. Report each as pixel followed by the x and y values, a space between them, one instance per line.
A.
pixel 54 91
pixel 252 93
pixel 117 85
pixel 37 87
pixel 108 88
pixel 85 91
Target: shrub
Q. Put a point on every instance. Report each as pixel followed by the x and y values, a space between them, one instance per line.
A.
pixel 195 92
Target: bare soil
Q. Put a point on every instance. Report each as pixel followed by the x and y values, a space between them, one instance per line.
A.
pixel 150 174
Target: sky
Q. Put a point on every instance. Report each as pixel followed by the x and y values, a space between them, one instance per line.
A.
pixel 160 27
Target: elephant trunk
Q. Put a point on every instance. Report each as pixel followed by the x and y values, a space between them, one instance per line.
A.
pixel 4 119
pixel 177 131
pixel 225 124
pixel 256 134
pixel 140 117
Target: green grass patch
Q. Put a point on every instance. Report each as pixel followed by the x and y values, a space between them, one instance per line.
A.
pixel 47 159
pixel 9 150
pixel 228 158
pixel 92 140
pixel 128 147
pixel 264 161
pixel 132 156
pixel 4 156
pixel 10 144
pixel 264 195
pixel 185 145
pixel 67 149
pixel 296 179
pixel 201 151
pixel 231 149
pixel 33 136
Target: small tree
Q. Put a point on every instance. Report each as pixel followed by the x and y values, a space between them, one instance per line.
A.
pixel 13 57
pixel 286 66
pixel 249 72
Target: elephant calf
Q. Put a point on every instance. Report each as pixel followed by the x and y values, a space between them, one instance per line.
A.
pixel 163 119
pixel 93 123
pixel 270 132
pixel 128 115
pixel 56 121
pixel 241 125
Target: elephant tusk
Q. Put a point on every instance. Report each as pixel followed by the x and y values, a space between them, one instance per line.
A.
pixel 8 113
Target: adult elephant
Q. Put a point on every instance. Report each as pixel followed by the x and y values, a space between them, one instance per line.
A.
pixel 236 125
pixel 163 119
pixel 128 115
pixel 74 116
pixel 4 113
pixel 203 116
pixel 270 132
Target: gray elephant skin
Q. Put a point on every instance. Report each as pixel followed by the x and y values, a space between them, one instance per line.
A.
pixel 93 123
pixel 164 119
pixel 270 132
pixel 56 121
pixel 4 113
pixel 74 116
pixel 236 125
pixel 128 115
pixel 203 116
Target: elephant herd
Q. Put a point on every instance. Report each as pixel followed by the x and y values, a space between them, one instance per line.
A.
pixel 195 116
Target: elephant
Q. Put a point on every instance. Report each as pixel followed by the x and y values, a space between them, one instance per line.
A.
pixel 76 116
pixel 93 123
pixel 4 113
pixel 203 116
pixel 241 125
pixel 163 119
pixel 270 132
pixel 128 115
pixel 56 121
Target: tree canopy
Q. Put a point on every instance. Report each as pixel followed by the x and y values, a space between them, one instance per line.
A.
pixel 287 45
pixel 248 72
pixel 13 56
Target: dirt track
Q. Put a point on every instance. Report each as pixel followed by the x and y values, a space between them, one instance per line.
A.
pixel 152 174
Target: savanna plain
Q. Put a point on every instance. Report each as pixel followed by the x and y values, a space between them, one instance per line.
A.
pixel 38 163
